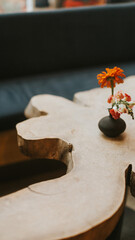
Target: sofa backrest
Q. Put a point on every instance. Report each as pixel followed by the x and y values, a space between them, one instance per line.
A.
pixel 38 42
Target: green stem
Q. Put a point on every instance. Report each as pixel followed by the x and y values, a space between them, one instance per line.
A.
pixel 112 87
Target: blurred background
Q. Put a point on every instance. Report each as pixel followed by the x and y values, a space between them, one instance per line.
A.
pixel 9 6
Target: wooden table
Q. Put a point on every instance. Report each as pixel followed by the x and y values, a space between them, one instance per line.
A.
pixel 88 201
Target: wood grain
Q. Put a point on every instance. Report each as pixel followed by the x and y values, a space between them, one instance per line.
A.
pixel 9 152
pixel 88 201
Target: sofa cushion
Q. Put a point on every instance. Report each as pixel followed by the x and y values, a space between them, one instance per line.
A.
pixel 34 43
pixel 16 93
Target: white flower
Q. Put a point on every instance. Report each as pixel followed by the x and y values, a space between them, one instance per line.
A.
pixel 122 108
pixel 115 108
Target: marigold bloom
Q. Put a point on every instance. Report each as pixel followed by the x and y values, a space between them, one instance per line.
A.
pixel 127 97
pixel 115 114
pixel 110 77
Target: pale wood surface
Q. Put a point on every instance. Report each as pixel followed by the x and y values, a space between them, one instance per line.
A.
pixel 89 199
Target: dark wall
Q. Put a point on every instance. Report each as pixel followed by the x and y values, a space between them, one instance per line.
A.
pixel 32 43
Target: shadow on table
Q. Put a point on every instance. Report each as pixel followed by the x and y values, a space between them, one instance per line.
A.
pixel 16 176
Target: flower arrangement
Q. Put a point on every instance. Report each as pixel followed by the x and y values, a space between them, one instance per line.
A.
pixel 121 102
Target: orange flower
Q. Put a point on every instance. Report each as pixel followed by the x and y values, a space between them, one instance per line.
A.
pixel 115 114
pixel 111 77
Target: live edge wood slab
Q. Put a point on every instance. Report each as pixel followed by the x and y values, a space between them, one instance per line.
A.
pixel 88 201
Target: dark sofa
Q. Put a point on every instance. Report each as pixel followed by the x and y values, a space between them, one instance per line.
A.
pixel 60 52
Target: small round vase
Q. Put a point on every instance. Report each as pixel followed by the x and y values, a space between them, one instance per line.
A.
pixel 111 127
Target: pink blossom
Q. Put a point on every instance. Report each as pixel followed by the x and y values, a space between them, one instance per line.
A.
pixel 115 114
pixel 111 99
pixel 127 97
pixel 131 104
pixel 122 109
pixel 119 95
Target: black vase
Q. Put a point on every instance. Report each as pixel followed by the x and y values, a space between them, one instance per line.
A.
pixel 111 127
